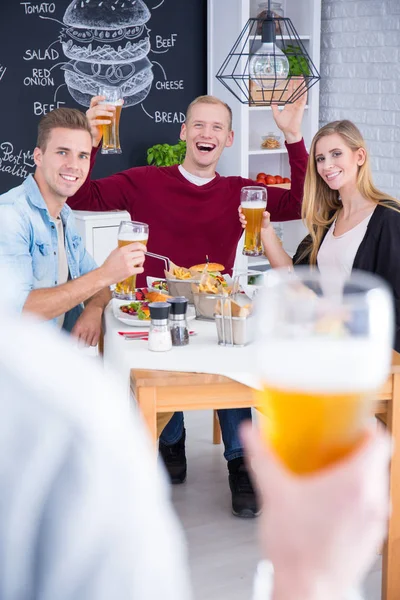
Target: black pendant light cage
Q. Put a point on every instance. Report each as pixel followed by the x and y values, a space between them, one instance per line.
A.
pixel 234 73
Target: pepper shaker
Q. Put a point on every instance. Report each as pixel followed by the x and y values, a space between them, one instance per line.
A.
pixel 178 321
pixel 159 335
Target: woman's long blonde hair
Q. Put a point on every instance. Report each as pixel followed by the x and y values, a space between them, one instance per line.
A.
pixel 321 204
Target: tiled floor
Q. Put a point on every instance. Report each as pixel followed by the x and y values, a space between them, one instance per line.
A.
pixel 223 549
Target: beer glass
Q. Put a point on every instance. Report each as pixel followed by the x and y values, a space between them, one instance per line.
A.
pixel 111 143
pixel 323 352
pixel 130 231
pixel 253 200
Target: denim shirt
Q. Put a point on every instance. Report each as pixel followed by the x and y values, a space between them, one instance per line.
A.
pixel 28 244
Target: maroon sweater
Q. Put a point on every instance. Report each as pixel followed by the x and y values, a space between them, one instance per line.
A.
pixel 186 221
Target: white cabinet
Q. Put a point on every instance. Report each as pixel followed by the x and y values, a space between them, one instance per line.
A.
pixel 99 231
pixel 226 19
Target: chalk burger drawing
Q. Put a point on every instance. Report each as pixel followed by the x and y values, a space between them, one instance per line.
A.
pixel 107 42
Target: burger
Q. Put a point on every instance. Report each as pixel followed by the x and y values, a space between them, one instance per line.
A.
pixel 214 270
pixel 107 42
pixel 209 267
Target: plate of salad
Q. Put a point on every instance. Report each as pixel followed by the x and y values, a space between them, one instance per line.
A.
pixel 135 311
pixel 155 283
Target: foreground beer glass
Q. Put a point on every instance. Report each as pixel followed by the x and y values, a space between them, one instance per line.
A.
pixel 253 200
pixel 130 231
pixel 111 143
pixel 324 351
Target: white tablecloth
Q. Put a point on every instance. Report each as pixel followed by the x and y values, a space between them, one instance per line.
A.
pixel 201 355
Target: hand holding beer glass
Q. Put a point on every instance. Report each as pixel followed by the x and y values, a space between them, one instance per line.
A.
pixel 111 143
pixel 253 201
pixel 130 231
pixel 323 353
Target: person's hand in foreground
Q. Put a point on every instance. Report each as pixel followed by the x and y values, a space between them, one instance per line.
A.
pixel 321 531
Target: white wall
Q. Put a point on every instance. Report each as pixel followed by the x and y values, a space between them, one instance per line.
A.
pixel 360 70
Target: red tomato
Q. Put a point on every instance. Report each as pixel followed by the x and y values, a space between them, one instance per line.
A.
pixel 279 179
pixel 260 175
pixel 270 180
pixel 286 180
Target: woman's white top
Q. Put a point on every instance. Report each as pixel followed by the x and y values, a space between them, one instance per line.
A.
pixel 337 253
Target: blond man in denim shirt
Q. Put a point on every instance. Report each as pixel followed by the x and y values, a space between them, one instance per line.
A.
pixel 54 273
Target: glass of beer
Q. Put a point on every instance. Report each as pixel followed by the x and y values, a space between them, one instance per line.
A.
pixel 253 200
pixel 111 143
pixel 130 231
pixel 323 352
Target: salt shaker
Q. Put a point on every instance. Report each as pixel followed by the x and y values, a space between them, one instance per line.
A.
pixel 159 335
pixel 178 322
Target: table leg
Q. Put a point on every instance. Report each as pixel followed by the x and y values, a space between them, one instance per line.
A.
pixel 147 401
pixel 216 428
pixel 391 552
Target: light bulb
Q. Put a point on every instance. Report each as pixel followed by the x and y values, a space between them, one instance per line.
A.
pixel 268 65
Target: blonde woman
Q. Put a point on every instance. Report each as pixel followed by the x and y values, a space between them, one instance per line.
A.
pixel 351 224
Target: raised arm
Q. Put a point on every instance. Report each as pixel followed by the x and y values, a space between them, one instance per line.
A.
pixel 285 205
pixel 49 303
pixel 16 252
pixel 115 192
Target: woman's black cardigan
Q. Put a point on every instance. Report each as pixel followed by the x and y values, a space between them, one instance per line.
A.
pixel 379 253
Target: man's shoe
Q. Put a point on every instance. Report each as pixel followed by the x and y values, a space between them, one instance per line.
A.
pixel 174 458
pixel 244 501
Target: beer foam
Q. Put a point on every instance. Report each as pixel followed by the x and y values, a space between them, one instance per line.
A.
pixel 113 102
pixel 133 236
pixel 353 364
pixel 255 204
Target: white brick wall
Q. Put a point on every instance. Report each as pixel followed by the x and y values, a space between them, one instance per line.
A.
pixel 360 77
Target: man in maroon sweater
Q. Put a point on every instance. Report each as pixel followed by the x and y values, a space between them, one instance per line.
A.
pixel 193 212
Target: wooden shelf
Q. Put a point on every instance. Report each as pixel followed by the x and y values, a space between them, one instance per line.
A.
pixel 261 151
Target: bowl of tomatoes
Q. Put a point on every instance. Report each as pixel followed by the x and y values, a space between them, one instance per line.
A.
pixel 268 179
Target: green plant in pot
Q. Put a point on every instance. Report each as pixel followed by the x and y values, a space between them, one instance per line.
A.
pixel 298 65
pixel 165 155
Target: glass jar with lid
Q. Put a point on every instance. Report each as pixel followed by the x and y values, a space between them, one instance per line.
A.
pixel 159 334
pixel 277 11
pixel 177 321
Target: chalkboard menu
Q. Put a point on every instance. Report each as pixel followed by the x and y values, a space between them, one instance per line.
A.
pixel 55 54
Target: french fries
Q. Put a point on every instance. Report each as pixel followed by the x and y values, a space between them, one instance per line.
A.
pixel 208 288
pixel 208 284
pixel 181 273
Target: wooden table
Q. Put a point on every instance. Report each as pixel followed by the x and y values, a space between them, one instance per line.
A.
pixel 168 391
